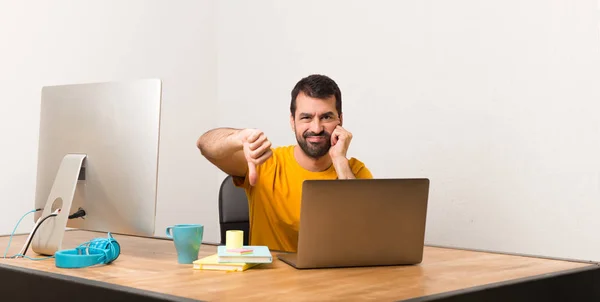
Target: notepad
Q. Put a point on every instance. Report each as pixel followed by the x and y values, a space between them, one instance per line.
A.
pixel 212 263
pixel 260 254
pixel 240 251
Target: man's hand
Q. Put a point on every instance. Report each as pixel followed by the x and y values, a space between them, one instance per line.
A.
pixel 257 149
pixel 340 141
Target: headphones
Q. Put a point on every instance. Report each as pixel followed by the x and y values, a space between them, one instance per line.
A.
pixel 93 252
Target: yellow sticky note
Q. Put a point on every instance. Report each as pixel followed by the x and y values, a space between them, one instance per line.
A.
pixel 234 239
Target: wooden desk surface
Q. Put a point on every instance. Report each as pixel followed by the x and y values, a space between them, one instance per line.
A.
pixel 150 264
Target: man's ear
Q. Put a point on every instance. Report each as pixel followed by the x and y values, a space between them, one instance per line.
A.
pixel 341 119
pixel 292 124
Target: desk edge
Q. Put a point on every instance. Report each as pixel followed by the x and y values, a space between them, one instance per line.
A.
pixel 591 262
pixel 94 283
pixel 496 285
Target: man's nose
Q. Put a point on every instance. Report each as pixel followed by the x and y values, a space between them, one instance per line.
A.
pixel 316 126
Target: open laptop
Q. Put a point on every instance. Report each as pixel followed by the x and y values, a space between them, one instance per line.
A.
pixel 361 222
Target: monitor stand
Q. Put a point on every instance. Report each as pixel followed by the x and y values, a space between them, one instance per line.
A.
pixel 49 235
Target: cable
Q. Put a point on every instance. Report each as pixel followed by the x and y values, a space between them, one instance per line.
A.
pixel 15 229
pixel 35 229
pixel 79 213
pixel 30 258
pixel 30 237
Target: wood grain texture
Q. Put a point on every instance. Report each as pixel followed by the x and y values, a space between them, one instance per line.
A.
pixel 150 264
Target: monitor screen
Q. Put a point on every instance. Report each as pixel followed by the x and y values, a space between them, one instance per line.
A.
pixel 98 145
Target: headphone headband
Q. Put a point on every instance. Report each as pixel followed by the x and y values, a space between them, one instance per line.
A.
pixel 94 252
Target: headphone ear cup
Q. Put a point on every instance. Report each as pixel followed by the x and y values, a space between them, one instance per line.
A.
pixel 112 246
pixel 116 246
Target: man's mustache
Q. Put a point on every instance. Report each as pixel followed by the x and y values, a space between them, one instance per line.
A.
pixel 322 133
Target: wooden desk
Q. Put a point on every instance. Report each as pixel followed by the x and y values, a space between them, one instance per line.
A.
pixel 150 265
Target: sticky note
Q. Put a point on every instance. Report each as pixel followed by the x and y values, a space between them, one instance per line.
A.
pixel 234 239
pixel 240 251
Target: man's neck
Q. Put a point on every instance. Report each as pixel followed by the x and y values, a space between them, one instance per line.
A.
pixel 309 163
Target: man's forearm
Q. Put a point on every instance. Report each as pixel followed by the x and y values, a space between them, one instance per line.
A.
pixel 219 143
pixel 342 168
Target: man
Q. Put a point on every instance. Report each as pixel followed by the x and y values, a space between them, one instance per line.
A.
pixel 272 177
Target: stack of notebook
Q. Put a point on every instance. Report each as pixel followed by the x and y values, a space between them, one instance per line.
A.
pixel 235 260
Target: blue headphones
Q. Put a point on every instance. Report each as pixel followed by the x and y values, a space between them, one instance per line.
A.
pixel 93 252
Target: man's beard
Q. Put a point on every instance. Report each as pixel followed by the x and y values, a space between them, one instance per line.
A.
pixel 315 150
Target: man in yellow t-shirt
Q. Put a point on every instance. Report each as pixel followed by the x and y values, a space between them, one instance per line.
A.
pixel 272 177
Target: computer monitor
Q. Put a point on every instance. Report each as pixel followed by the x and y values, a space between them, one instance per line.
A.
pixel 98 151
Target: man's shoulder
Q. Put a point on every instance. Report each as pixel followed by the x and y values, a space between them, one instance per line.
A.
pixel 359 168
pixel 281 154
pixel 355 162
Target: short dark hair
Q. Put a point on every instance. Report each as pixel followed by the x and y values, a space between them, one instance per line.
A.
pixel 317 86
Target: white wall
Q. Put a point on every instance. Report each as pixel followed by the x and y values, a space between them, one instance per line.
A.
pixel 64 42
pixel 495 102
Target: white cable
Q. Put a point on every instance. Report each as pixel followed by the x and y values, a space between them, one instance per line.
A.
pixel 29 238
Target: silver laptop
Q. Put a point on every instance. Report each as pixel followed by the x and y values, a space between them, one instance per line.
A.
pixel 361 222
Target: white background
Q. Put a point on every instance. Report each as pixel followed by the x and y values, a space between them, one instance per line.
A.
pixel 63 42
pixel 495 102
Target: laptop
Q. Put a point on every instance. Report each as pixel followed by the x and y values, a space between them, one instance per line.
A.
pixel 360 222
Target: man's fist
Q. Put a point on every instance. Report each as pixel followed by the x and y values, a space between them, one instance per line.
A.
pixel 257 149
pixel 340 141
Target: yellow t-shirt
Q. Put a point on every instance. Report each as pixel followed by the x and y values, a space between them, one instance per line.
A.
pixel 274 201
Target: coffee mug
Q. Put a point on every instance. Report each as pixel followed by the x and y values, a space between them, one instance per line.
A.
pixel 187 239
